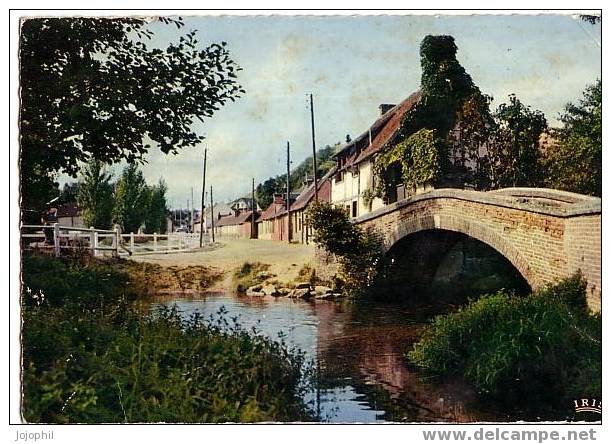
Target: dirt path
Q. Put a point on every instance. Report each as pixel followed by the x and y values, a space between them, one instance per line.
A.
pixel 285 260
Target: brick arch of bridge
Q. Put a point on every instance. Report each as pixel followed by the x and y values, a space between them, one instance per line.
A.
pixel 546 234
pixel 474 230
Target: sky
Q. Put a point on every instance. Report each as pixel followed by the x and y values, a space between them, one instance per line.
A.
pixel 352 64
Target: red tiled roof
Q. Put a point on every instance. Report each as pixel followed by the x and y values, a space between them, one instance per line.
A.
pixel 271 211
pixel 233 220
pixel 382 130
pixel 324 192
pixel 390 128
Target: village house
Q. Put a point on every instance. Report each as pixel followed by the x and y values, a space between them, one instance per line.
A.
pixel 301 231
pixel 354 174
pixel 354 180
pixel 69 215
pixel 273 223
pixel 220 210
pixel 231 219
pixel 237 225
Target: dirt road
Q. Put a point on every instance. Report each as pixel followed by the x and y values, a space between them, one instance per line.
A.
pixel 285 260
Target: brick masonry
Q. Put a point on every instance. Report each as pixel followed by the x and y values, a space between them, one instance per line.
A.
pixel 545 234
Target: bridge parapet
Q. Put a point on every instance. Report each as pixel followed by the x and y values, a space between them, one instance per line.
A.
pixel 545 234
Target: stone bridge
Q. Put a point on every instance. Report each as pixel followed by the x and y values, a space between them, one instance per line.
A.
pixel 546 234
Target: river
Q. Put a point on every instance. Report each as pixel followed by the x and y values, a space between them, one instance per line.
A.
pixel 358 351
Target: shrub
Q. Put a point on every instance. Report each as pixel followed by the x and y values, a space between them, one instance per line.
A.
pixel 99 358
pixel 358 251
pixel 308 274
pixel 544 348
pixel 75 281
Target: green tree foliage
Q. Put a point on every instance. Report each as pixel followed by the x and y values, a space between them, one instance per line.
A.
pixel 69 193
pixel 358 251
pixel 514 153
pixel 92 88
pixel 419 157
pixel 473 129
pixel 155 221
pixel 95 196
pixel 575 163
pixel 591 19
pixel 131 199
pixel 544 348
pixel 265 191
pixel 464 128
pixel 445 84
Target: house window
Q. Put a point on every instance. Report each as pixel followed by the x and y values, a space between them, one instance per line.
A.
pixel 354 208
pixel 339 176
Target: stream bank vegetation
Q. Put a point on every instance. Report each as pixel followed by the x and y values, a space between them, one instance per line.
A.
pixel 534 353
pixel 358 251
pixel 92 354
pixel 250 274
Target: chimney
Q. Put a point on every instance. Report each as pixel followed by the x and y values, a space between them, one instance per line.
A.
pixel 278 199
pixel 385 107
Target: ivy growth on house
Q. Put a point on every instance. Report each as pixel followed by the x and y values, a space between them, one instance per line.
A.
pixel 420 151
pixel 419 158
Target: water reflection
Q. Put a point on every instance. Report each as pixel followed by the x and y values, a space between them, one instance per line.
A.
pixel 358 351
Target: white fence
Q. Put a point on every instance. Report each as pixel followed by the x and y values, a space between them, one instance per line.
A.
pixel 101 242
pixel 160 243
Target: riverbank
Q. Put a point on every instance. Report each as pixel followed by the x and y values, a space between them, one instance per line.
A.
pixel 284 260
pixel 535 354
pixel 93 353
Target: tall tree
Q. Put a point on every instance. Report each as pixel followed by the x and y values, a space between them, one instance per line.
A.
pixel 92 88
pixel 514 153
pixel 131 199
pixel 575 162
pixel 95 197
pixel 69 193
pixel 155 221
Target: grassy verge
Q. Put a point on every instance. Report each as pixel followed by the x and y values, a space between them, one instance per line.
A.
pixel 91 356
pixel 249 274
pixel 537 352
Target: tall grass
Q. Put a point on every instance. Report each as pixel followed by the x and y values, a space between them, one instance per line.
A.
pixel 249 274
pixel 92 356
pixel 541 350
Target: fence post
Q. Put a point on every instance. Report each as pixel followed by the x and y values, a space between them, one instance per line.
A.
pixel 117 240
pixel 131 240
pixel 56 245
pixel 155 241
pixel 92 242
pixel 95 242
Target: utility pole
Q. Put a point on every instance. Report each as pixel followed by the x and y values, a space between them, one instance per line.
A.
pixel 288 190
pixel 192 210
pixel 212 213
pixel 253 214
pixel 314 148
pixel 201 217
